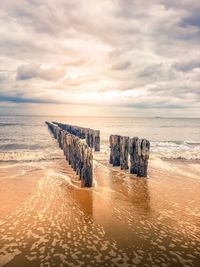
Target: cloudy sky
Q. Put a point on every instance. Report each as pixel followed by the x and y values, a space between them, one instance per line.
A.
pixel 105 58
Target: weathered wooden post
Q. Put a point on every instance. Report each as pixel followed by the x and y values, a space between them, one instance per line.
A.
pixel 70 148
pixel 67 146
pixel 76 154
pixel 97 140
pixel 133 150
pixel 59 137
pixel 124 149
pixel 115 150
pixel 72 152
pixel 89 137
pixel 62 139
pixel 86 172
pixel 79 158
pixel 111 141
pixel 143 158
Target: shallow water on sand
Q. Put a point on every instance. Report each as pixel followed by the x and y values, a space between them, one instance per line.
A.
pixel 121 221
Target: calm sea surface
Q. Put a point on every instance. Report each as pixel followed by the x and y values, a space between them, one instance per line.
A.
pixel 123 220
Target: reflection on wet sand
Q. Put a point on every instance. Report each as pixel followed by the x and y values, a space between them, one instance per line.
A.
pixel 122 221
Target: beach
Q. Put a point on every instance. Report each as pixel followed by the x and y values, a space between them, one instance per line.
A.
pixel 99 133
pixel 47 219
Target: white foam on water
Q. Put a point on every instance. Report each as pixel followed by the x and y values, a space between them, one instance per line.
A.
pixel 65 177
pixel 189 150
pixel 177 149
pixel 27 155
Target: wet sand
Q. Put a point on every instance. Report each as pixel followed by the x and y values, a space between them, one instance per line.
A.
pixel 17 183
pixel 48 220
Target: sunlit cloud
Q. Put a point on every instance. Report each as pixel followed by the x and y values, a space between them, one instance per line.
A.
pixel 117 55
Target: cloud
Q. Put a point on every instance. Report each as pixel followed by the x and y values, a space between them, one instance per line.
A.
pixel 192 19
pixel 187 65
pixel 157 72
pixel 23 100
pixel 139 54
pixel 28 71
pixel 121 65
pixel 3 76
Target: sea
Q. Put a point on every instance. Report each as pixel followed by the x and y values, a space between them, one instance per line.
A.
pixel 47 219
pixel 25 138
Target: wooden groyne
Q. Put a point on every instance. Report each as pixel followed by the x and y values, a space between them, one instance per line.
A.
pixel 77 152
pixel 138 149
pixel 91 136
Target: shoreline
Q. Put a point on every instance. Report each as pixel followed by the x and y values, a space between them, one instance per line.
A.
pixel 18 181
pixel 181 160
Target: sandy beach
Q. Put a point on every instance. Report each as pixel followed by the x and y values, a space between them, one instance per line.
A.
pixel 17 183
pixel 99 133
pixel 47 219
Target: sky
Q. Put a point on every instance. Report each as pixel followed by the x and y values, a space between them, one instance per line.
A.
pixel 100 58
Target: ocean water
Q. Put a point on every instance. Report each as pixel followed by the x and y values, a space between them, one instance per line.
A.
pixel 47 219
pixel 26 138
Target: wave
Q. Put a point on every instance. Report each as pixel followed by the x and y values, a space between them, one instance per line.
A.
pixel 7 139
pixel 20 146
pixel 193 143
pixel 36 153
pixel 176 149
pixel 178 142
pixel 28 156
pixel 189 150
pixel 29 161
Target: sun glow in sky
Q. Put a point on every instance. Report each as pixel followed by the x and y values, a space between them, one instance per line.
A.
pixel 104 58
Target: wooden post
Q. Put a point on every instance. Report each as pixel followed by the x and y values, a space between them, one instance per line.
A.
pixel 89 137
pixel 133 150
pixel 64 144
pixel 143 158
pixel 115 150
pixel 59 136
pixel 97 140
pixel 79 164
pixel 86 172
pixel 111 141
pixel 124 149
pixel 69 148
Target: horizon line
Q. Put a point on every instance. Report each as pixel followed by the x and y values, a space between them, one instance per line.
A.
pixel 90 116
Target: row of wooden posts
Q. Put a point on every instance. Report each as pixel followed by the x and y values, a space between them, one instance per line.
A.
pixel 77 153
pixel 91 136
pixel 138 149
pixel 77 143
